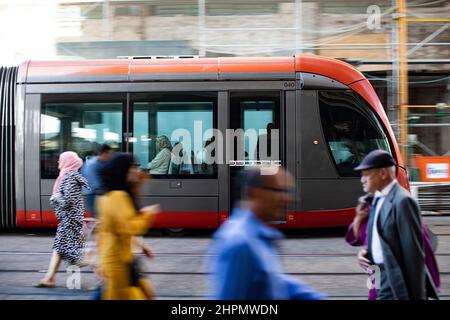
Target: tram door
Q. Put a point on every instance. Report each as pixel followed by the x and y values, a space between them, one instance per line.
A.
pixel 257 139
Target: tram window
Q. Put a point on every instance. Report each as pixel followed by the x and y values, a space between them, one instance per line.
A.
pixel 349 133
pixel 171 135
pixel 257 114
pixel 79 127
pixel 259 120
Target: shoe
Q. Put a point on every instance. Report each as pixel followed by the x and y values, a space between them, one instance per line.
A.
pixel 42 284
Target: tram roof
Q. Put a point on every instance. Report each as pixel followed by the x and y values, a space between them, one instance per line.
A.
pixel 228 68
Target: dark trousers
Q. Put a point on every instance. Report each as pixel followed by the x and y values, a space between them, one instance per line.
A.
pixel 90 204
pixel 385 292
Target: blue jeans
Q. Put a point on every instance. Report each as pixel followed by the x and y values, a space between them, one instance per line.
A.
pixel 90 204
pixel 97 295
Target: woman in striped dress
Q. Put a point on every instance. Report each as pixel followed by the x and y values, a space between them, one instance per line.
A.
pixel 67 200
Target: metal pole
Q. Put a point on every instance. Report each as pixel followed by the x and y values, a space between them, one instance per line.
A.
pixel 432 106
pixel 393 113
pixel 432 20
pixel 201 28
pixel 429 125
pixel 403 80
pixel 298 27
pixel 409 61
pixel 107 20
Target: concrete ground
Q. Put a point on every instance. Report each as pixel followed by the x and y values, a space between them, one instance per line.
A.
pixel 320 258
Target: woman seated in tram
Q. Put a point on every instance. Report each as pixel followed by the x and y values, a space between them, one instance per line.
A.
pixel 160 163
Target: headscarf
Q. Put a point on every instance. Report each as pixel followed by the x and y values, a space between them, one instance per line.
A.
pixel 164 142
pixel 114 172
pixel 68 161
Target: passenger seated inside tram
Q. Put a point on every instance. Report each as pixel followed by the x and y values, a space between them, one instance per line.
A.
pixel 196 161
pixel 160 163
pixel 209 154
pixel 343 147
pixel 180 164
pixel 175 164
pixel 267 139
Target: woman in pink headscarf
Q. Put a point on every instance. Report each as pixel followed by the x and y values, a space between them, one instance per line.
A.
pixel 67 200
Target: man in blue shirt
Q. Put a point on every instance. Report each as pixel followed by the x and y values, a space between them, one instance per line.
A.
pixel 244 262
pixel 91 171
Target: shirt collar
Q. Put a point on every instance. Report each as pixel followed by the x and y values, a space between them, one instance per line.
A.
pixel 385 190
pixel 260 228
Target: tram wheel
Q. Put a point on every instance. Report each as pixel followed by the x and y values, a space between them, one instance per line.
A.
pixel 175 232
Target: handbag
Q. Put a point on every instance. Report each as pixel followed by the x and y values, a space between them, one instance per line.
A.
pixel 433 239
pixel 89 255
pixel 135 271
pixel 58 203
pixel 138 281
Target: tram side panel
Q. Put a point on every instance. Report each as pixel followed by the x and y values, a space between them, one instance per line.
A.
pixel 8 77
pixel 186 201
pixel 21 220
pixel 189 191
pixel 32 186
pixel 337 128
pixel 325 199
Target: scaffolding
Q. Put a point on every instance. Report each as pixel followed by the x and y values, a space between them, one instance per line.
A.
pixel 203 30
pixel 400 67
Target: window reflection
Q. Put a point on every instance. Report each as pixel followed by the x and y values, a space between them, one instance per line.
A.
pixel 179 127
pixel 349 134
pixel 79 127
pixel 259 120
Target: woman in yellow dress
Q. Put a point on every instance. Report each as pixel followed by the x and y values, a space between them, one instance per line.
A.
pixel 120 221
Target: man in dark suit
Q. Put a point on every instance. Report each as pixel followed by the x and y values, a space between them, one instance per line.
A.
pixel 395 239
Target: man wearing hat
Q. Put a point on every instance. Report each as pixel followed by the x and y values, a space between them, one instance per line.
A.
pixel 395 239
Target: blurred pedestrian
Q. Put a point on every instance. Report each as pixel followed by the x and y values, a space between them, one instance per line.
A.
pixel 244 261
pixel 67 201
pixel 395 243
pixel 139 245
pixel 120 220
pixel 91 171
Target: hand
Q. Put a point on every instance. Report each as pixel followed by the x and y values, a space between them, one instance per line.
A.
pixel 153 209
pixel 149 212
pixel 361 214
pixel 362 259
pixel 147 251
pixel 362 211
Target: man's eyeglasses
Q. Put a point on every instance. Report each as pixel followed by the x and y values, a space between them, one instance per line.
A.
pixel 282 190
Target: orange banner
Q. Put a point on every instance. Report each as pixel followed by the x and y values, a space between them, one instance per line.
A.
pixel 433 169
